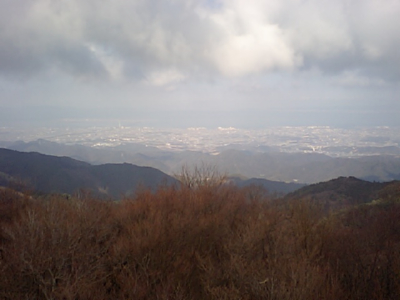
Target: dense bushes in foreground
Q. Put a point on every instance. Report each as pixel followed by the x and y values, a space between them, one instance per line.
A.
pixel 204 243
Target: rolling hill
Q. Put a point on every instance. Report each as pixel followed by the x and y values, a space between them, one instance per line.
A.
pixel 342 192
pixel 48 174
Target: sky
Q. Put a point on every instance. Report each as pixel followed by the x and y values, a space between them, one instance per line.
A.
pixel 185 63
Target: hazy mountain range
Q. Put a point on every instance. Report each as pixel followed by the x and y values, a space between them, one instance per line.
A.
pixel 47 173
pixel 305 168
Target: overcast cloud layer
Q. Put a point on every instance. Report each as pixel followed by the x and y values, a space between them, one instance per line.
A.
pixel 302 57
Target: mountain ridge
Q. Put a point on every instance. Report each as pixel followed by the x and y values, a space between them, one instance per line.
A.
pixel 299 167
pixel 47 173
pixel 342 192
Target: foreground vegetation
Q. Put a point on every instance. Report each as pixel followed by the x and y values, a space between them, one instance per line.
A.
pixel 207 242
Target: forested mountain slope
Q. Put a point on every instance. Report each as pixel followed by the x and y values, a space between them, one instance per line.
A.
pixel 47 173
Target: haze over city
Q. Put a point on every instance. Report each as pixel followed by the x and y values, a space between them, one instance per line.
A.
pixel 246 64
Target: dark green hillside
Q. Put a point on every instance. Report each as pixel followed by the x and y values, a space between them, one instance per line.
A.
pixel 124 178
pixel 47 174
pixel 341 192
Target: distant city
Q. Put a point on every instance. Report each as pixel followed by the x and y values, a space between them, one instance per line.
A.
pixel 335 142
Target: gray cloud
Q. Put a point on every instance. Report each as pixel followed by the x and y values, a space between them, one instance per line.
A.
pixel 162 42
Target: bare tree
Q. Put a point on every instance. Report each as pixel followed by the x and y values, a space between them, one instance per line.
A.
pixel 201 176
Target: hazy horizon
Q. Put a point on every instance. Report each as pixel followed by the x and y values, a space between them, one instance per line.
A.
pixel 182 63
pixel 35 117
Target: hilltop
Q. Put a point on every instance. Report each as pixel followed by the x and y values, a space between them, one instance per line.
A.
pixel 342 192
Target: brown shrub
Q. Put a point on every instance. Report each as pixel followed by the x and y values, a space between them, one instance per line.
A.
pixel 208 242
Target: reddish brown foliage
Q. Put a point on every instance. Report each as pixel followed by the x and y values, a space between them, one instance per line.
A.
pixel 212 242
